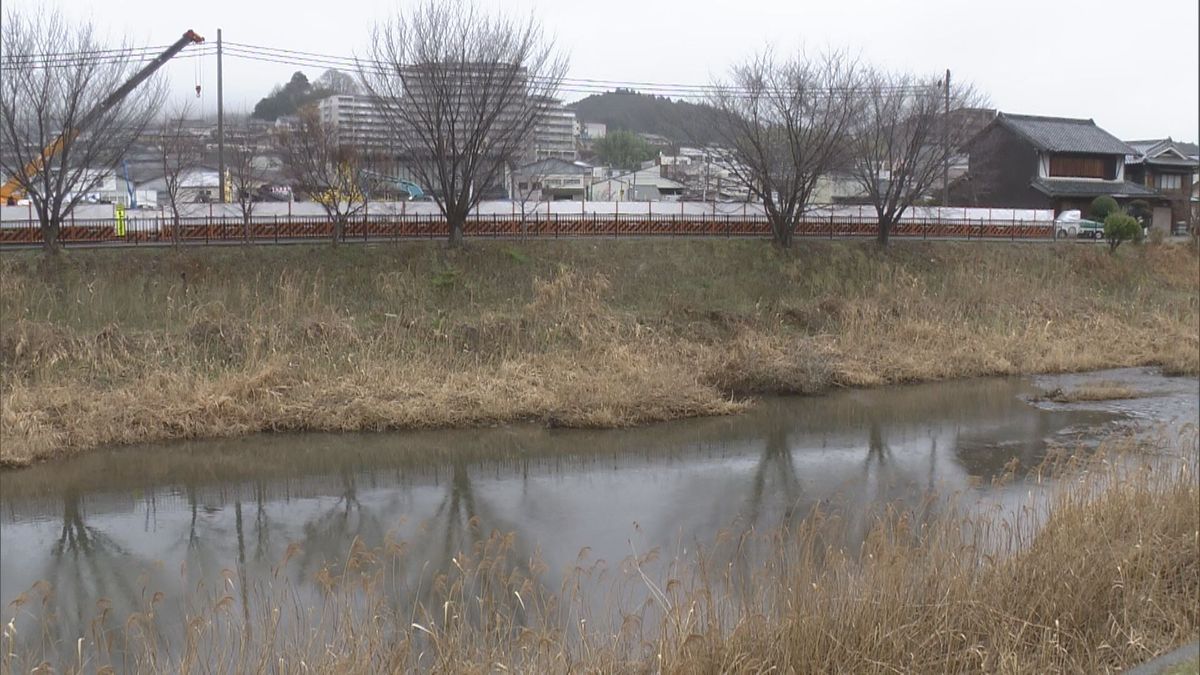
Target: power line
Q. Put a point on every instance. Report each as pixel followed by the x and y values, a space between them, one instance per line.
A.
pixel 292 57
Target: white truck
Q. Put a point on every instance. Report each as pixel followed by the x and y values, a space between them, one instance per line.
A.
pixel 1073 224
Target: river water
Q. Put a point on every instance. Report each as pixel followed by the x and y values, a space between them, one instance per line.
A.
pixel 120 525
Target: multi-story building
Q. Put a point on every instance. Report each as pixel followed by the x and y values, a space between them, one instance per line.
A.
pixel 554 137
pixel 357 122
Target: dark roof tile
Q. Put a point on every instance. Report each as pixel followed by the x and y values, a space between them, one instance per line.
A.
pixel 1090 188
pixel 1061 134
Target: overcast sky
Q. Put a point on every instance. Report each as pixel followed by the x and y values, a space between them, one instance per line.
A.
pixel 1131 66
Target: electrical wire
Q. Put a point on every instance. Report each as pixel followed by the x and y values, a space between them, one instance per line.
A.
pixel 301 58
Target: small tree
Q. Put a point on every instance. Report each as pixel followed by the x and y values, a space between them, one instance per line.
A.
pixel 319 165
pixel 901 140
pixel 783 123
pixel 464 93
pixel 1140 209
pixel 246 175
pixel 179 155
pixel 624 150
pixel 1119 227
pixel 51 117
pixel 1102 207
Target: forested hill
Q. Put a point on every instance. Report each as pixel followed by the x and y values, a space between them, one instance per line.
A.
pixel 680 121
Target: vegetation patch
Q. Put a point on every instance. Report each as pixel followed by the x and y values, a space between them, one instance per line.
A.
pixel 105 347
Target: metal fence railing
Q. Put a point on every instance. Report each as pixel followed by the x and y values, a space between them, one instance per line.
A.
pixel 217 229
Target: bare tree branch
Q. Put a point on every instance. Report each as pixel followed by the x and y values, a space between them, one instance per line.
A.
pixel 246 173
pixel 324 169
pixel 901 139
pixel 41 102
pixel 464 93
pixel 783 124
pixel 179 155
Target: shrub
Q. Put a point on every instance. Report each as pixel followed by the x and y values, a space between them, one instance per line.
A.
pixel 1119 227
pixel 1102 207
pixel 1140 209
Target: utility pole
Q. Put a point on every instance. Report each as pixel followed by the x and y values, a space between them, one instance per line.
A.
pixel 220 123
pixel 945 134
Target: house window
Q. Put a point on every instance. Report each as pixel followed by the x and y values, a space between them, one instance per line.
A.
pixel 1067 166
pixel 1169 181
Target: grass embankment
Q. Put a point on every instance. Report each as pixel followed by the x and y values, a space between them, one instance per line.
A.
pixel 111 347
pixel 1101 577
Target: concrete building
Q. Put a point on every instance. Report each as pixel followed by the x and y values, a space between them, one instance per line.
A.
pixel 357 123
pixel 645 185
pixel 551 180
pixel 201 185
pixel 554 137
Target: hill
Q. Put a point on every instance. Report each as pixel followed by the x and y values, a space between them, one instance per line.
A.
pixel 298 92
pixel 627 110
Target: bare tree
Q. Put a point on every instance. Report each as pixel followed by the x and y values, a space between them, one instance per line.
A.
pixel 179 154
pixel 902 138
pixel 323 168
pixel 464 93
pixel 783 123
pixel 246 174
pixel 528 190
pixel 57 142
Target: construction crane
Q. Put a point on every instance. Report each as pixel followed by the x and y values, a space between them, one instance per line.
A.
pixel 10 190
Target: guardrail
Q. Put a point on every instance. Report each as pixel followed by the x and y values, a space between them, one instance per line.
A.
pixel 207 230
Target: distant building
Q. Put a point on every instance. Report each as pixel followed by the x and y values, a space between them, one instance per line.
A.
pixel 1032 162
pixel 592 131
pixel 644 185
pixel 357 123
pixel 554 136
pixel 707 174
pixel 551 180
pixel 656 141
pixel 1170 169
pixel 199 185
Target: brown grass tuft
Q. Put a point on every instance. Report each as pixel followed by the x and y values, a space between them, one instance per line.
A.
pixel 111 347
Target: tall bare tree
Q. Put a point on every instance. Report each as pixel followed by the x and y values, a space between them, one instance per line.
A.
pixel 464 93
pixel 247 172
pixel 179 154
pixel 317 162
pixel 902 138
pixel 53 76
pixel 783 123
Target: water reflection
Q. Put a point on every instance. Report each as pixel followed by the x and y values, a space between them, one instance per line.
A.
pixel 117 527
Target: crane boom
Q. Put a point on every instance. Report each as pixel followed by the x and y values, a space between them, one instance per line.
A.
pixel 9 190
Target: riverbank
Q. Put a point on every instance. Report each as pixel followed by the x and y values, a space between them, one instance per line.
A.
pixel 114 347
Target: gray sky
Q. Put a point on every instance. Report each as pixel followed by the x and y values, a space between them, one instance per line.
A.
pixel 1130 66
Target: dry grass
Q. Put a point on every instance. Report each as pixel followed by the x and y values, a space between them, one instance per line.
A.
pixel 1100 391
pixel 1100 576
pixel 114 347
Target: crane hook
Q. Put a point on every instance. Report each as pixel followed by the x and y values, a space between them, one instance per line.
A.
pixel 197 91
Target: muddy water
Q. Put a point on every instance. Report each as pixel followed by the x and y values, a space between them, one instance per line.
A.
pixel 121 525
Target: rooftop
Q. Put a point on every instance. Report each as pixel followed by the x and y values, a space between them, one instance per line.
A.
pixel 1057 187
pixel 1064 134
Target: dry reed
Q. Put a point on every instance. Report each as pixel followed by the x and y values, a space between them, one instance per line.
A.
pixel 118 347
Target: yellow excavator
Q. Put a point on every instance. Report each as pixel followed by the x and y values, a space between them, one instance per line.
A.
pixel 11 190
